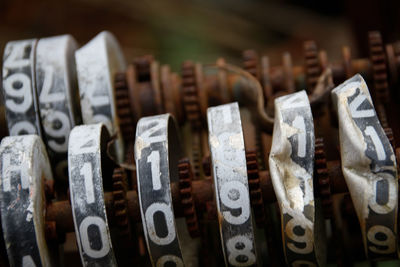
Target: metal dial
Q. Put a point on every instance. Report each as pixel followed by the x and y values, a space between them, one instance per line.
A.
pixel 231 185
pixel 87 143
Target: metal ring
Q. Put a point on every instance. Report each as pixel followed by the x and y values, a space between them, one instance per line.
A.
pixel 369 168
pixel 57 91
pixel 87 143
pixel 157 150
pixel 19 88
pixel 291 164
pixel 23 170
pixel 97 62
pixel 231 185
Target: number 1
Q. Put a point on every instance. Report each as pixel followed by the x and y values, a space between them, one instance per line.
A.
pixel 154 160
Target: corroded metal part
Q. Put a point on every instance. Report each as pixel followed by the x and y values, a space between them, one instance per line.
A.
pixel 97 62
pixel 291 163
pixel 157 150
pixel 87 143
pixel 57 90
pixel 24 169
pixel 229 168
pixel 19 88
pixel 369 168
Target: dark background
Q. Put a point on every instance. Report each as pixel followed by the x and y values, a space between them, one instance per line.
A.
pixel 204 30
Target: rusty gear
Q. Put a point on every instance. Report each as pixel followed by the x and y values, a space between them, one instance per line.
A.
pixel 379 66
pixel 143 68
pixel 120 186
pixel 254 188
pixel 123 106
pixel 312 67
pixel 250 63
pixel 185 190
pixel 321 172
pixel 191 97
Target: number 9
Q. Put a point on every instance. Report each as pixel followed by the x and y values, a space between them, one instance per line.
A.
pixel 234 195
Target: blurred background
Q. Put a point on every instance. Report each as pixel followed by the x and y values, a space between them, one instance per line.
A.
pixel 177 30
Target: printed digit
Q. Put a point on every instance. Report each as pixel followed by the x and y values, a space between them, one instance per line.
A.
pixel 368 167
pixel 231 185
pixel 154 136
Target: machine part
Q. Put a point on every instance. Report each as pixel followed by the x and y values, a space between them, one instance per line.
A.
pixel 24 170
pixel 291 164
pixel 323 181
pixel 266 79
pixel 85 150
pixel 191 97
pixel 254 188
pixel 369 168
pixel 379 67
pixel 250 92
pixel 120 187
pixel 145 87
pixel 185 188
pixel 347 67
pixel 123 106
pixel 170 89
pixel 97 62
pixel 228 160
pixel 250 63
pixel 57 90
pixel 288 72
pixel 19 88
pixel 312 67
pixel 157 150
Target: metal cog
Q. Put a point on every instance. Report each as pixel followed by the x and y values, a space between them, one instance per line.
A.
pixel 312 66
pixel 120 185
pixel 185 190
pixel 379 66
pixel 254 188
pixel 191 98
pixel 321 171
pixel 251 63
pixel 123 107
pixel 143 68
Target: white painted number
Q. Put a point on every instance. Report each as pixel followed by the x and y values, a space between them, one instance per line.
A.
pixel 380 151
pixel 18 85
pixel 234 195
pixel 27 261
pixel 240 251
pixel 100 224
pixel 303 239
pixel 86 172
pixel 168 217
pixel 7 171
pixel 154 160
pixel 356 103
pixel 169 258
pixel 384 245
